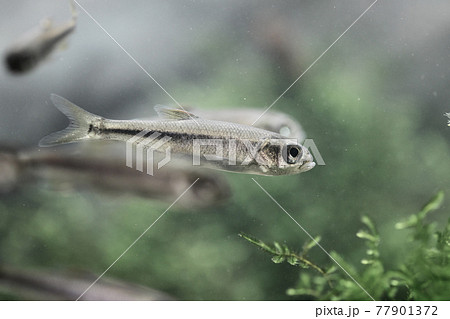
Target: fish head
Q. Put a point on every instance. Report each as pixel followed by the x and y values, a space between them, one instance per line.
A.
pixel 286 157
pixel 19 61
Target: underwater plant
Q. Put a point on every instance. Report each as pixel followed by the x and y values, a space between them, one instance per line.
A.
pixel 424 274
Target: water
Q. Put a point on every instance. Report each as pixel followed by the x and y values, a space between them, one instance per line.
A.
pixel 373 104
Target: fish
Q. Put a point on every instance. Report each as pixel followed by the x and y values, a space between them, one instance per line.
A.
pixel 85 169
pixel 448 115
pixel 35 284
pixel 35 46
pixel 9 171
pixel 273 121
pixel 226 146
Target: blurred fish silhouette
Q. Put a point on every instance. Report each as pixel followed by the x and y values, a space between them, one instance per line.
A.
pixel 36 45
pixel 273 121
pixel 102 169
pixel 46 285
pixel 9 171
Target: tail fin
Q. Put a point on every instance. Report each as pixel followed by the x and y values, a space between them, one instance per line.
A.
pixel 78 129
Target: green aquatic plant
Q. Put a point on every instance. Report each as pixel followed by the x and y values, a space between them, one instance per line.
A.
pixel 424 273
pixel 282 252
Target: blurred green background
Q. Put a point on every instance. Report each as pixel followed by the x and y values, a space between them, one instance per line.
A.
pixel 373 105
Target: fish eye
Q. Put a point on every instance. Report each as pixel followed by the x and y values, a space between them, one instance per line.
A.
pixel 293 153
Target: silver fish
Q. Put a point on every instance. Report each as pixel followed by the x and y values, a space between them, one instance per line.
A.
pixel 35 45
pixel 68 285
pixel 448 115
pixel 70 169
pixel 228 146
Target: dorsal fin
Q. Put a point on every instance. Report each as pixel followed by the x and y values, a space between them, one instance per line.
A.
pixel 166 112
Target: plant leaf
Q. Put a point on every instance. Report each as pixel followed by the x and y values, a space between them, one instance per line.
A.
pixel 292 260
pixel 278 248
pixel 278 259
pixel 369 223
pixel 433 204
pixel 311 244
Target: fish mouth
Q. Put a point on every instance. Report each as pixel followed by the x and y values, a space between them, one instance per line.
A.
pixel 308 163
pixel 307 166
